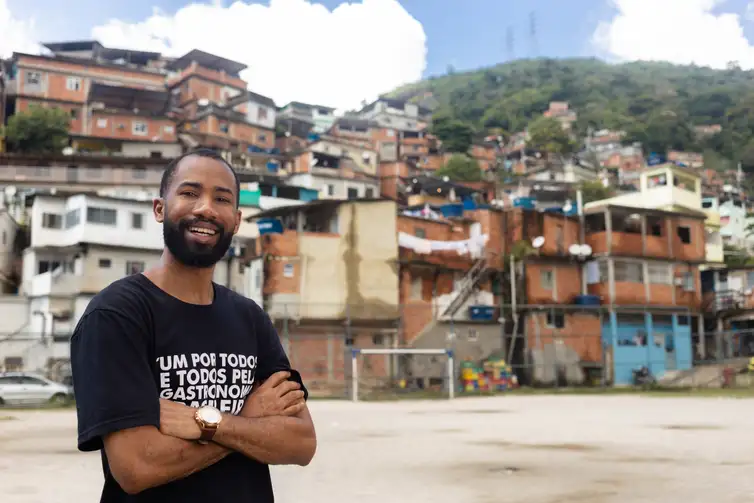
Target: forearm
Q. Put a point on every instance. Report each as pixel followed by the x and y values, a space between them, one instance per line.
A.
pixel 273 440
pixel 163 459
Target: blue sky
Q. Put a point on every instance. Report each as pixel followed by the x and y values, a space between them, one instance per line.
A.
pixel 340 54
pixel 463 33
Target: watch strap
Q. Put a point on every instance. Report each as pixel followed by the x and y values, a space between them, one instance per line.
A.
pixel 208 432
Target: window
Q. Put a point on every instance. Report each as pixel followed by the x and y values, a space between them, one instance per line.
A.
pixel 628 272
pixel 547 279
pixel 262 138
pixel 101 123
pixel 134 267
pixel 73 83
pixel 262 114
pixel 139 128
pixel 33 78
pixel 288 271
pixel 749 277
pixel 105 263
pixel 5 237
pixel 139 172
pixel 137 220
pixel 420 233
pixel 654 226
pixel 44 266
pixel 72 218
pixel 52 221
pixel 555 320
pixel 660 274
pixel 103 216
pixel 416 288
pixel 369 192
pixel 353 193
pixel 330 190
pixel 224 127
pixel 684 233
pixel 377 340
pixel 32 381
pixel 687 281
pixel 74 113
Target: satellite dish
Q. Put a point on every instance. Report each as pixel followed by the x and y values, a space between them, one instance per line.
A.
pixel 203 102
pixel 68 151
pixel 586 250
pixel 574 249
pixel 747 292
pixel 537 242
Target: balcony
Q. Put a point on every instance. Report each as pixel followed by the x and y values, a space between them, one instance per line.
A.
pixel 53 283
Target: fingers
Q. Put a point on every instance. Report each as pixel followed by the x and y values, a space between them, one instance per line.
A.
pixel 275 379
pixel 292 397
pixel 287 387
pixel 295 408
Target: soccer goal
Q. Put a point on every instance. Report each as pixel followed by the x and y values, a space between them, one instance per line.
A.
pixel 403 363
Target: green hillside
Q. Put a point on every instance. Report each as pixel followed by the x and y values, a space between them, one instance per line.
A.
pixel 656 103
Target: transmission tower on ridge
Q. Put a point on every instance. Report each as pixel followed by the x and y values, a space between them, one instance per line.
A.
pixel 533 34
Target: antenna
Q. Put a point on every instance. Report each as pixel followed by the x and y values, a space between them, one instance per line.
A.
pixel 510 43
pixel 533 34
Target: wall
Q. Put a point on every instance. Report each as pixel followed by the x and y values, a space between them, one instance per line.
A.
pixel 339 185
pixel 661 334
pixel 121 127
pixel 166 150
pixel 581 332
pixel 566 282
pixel 266 121
pixel 120 234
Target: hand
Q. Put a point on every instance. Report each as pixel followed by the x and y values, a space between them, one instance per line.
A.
pixel 277 396
pixel 177 420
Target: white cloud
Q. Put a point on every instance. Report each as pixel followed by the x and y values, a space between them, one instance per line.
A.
pixel 678 31
pixel 295 49
pixel 15 34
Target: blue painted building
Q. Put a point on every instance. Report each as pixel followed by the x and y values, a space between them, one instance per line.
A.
pixel 659 341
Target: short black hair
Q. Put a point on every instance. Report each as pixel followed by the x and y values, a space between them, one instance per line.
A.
pixel 169 173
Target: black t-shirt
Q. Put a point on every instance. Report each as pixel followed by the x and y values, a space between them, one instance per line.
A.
pixel 136 344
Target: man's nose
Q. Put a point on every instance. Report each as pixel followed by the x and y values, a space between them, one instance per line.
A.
pixel 205 208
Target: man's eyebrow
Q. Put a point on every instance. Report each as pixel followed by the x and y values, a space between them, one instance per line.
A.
pixel 197 185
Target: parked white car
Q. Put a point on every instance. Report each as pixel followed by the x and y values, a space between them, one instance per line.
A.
pixel 21 388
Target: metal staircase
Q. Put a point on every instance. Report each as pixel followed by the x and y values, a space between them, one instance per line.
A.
pixel 466 287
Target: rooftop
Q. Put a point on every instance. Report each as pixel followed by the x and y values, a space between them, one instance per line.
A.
pixel 207 60
pixel 310 206
pixel 129 98
pixel 600 206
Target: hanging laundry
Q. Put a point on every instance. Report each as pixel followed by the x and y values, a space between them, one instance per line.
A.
pixel 592 272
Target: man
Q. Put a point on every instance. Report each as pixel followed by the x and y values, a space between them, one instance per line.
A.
pixel 182 383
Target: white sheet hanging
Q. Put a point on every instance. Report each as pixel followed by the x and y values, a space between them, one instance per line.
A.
pixel 473 246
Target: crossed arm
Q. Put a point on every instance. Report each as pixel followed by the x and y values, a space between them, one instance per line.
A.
pixel 274 427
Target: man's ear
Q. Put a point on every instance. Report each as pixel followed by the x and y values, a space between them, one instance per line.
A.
pixel 239 217
pixel 158 206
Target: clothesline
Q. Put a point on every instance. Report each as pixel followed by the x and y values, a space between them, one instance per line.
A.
pixel 473 246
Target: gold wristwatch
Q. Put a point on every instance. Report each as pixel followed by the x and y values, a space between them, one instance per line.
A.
pixel 208 418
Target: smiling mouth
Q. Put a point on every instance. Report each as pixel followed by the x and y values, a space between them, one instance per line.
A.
pixel 202 231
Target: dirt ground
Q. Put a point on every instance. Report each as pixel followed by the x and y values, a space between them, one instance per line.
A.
pixel 533 449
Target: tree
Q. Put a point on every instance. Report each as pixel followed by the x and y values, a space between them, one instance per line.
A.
pixel 456 135
pixel 38 130
pixel 546 134
pixel 461 168
pixel 594 191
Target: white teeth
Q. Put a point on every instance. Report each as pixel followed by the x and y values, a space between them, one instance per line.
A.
pixel 200 230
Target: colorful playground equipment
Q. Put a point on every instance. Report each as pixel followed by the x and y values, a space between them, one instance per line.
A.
pixel 492 374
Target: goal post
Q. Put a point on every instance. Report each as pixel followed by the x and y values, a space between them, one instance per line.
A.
pixel 449 368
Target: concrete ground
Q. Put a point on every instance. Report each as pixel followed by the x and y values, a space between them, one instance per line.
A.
pixel 532 449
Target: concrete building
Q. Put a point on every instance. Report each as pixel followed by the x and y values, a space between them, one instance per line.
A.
pixel 678 189
pixel 330 282
pixel 321 117
pixel 116 98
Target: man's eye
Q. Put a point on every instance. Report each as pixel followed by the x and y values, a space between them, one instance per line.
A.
pixel 188 193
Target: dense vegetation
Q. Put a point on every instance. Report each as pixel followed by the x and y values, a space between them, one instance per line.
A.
pixel 656 103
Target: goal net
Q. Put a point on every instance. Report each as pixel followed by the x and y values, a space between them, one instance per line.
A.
pixel 378 373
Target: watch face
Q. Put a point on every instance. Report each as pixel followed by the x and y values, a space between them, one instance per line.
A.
pixel 210 415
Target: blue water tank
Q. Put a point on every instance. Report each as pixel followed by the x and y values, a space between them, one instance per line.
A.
pixel 587 300
pixel 481 313
pixel 451 210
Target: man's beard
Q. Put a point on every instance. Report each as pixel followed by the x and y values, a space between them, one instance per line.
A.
pixel 190 253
